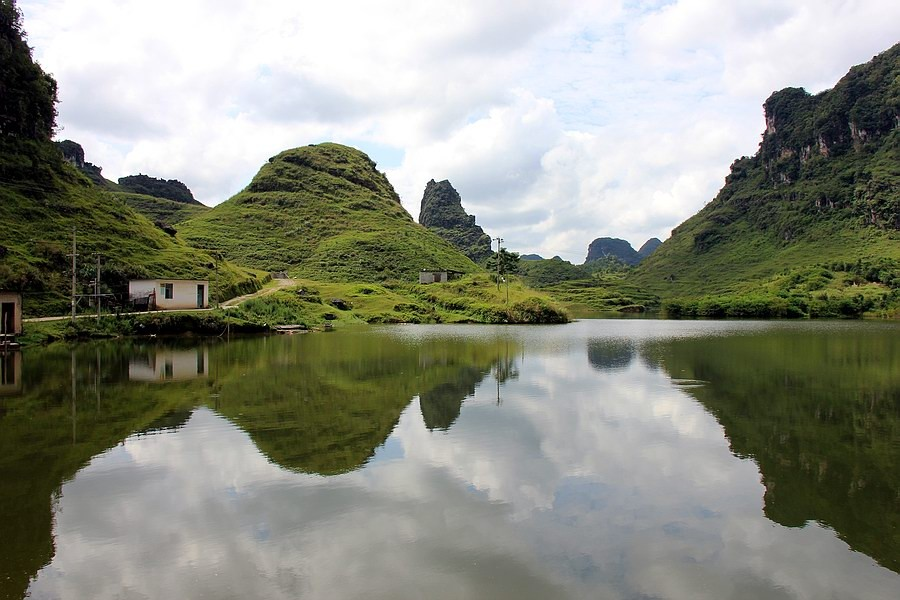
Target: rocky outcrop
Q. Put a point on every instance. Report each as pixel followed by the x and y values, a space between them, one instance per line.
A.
pixel 73 153
pixel 442 212
pixel 170 189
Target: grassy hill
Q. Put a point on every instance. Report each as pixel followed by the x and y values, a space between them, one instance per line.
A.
pixel 43 198
pixel 322 212
pixel 161 210
pixel 822 193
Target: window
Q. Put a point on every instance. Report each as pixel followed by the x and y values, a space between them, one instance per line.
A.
pixel 168 290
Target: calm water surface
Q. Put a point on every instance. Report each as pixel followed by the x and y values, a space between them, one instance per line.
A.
pixel 602 459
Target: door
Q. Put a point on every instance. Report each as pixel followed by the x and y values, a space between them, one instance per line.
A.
pixel 7 317
pixel 201 292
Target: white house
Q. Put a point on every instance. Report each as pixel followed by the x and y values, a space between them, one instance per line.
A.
pixel 169 294
pixel 10 313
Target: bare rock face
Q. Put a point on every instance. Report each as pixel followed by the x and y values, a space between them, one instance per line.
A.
pixel 442 212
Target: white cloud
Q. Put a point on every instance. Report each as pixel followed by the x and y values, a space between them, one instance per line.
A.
pixel 557 121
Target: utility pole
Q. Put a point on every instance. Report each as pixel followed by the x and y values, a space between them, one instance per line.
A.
pixel 74 254
pixel 97 285
pixel 499 241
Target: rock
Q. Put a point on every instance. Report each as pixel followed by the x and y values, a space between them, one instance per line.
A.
pixel 340 304
pixel 442 212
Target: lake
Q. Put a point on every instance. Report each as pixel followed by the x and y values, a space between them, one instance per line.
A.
pixel 620 459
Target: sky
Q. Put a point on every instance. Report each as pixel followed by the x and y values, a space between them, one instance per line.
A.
pixel 558 121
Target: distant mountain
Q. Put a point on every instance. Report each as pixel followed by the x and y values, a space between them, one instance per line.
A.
pixel 822 192
pixel 606 247
pixel 531 257
pixel 323 212
pixel 442 212
pixel 649 247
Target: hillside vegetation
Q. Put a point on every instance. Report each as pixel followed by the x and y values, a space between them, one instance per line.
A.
pixel 43 199
pixel 822 193
pixel 323 212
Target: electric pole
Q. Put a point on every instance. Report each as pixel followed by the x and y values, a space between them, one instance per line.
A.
pixel 499 241
pixel 74 254
pixel 97 286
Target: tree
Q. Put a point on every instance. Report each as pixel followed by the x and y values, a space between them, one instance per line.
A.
pixel 27 94
pixel 509 262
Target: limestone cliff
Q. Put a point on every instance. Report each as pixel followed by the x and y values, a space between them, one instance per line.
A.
pixel 442 212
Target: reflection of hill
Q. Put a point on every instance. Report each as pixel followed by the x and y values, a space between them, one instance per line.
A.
pixel 318 404
pixel 821 418
pixel 323 404
pixel 441 404
pixel 610 354
pixel 45 438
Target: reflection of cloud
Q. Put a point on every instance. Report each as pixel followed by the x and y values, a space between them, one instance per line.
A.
pixel 582 483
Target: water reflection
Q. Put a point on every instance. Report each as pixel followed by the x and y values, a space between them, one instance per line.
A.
pixel 168 364
pixel 10 373
pixel 610 354
pixel 381 463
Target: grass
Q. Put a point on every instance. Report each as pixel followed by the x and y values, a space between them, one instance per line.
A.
pixel 323 212
pixel 161 210
pixel 474 298
pixel 44 199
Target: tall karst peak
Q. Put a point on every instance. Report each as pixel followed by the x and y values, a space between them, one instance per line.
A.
pixel 442 212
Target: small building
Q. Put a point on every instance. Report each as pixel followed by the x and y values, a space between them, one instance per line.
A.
pixel 169 294
pixel 437 276
pixel 10 313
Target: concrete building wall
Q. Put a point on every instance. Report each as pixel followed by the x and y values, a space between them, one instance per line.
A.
pixel 11 312
pixel 185 293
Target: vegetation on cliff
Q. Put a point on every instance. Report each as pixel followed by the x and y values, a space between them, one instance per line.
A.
pixel 822 192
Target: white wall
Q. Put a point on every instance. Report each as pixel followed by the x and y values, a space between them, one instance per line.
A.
pixel 184 292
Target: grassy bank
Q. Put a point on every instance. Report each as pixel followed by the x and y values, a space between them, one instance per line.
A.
pixel 313 305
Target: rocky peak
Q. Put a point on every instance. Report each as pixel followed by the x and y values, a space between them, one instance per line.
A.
pixel 442 212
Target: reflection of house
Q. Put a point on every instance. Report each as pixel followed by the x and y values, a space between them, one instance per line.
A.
pixel 168 294
pixel 169 365
pixel 10 373
pixel 437 276
pixel 10 313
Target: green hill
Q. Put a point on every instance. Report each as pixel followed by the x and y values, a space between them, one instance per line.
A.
pixel 162 211
pixel 43 199
pixel 323 212
pixel 40 207
pixel 164 202
pixel 816 209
